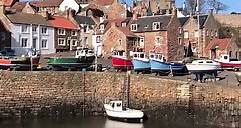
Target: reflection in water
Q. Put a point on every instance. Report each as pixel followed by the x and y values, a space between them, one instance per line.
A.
pixel 118 124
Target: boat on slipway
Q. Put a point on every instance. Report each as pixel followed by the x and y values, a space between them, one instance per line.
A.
pixel 120 61
pixel 203 66
pixel 141 62
pixel 160 65
pixel 115 111
pixel 229 63
pixel 83 58
pixel 23 62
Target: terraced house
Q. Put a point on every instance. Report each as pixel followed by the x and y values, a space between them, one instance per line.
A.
pixel 160 34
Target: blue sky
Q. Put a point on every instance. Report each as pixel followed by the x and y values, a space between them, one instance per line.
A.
pixel 233 5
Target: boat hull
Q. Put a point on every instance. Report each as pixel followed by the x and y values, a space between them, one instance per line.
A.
pixel 64 62
pixel 141 65
pixel 121 63
pixel 24 63
pixel 158 66
pixel 124 115
pixel 231 64
pixel 195 68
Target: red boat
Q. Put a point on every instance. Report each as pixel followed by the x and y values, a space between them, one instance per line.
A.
pixel 229 63
pixel 23 63
pixel 120 62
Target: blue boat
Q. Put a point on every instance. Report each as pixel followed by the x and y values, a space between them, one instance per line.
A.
pixel 159 64
pixel 140 62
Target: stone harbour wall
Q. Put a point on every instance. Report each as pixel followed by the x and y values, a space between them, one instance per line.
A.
pixel 24 94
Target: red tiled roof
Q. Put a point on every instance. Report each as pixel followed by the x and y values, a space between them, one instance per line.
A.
pixel 104 2
pixel 8 3
pixel 62 22
pixel 18 6
pixel 48 3
pixel 221 43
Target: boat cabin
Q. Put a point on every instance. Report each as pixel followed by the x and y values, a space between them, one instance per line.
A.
pixel 139 55
pixel 80 52
pixel 226 58
pixel 121 53
pixel 116 105
pixel 157 56
pixel 203 62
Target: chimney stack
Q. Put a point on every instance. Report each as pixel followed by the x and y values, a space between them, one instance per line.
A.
pixel 2 7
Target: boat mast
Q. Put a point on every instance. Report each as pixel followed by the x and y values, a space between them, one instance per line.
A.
pixel 126 87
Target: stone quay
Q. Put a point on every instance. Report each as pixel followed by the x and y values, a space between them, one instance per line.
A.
pixel 27 94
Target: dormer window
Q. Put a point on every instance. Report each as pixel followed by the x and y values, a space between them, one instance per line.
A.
pixel 123 24
pixel 134 27
pixel 156 26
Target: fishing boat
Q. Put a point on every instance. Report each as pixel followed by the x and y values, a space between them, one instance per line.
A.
pixel 120 61
pixel 141 62
pixel 84 58
pixel 24 62
pixel 159 64
pixel 228 63
pixel 115 110
pixel 203 66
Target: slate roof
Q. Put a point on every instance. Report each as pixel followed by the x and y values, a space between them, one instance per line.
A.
pixel 84 20
pixel 26 18
pixel 183 20
pixel 202 19
pixel 62 22
pixel 144 24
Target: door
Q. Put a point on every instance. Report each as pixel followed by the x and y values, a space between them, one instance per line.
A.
pixel 34 43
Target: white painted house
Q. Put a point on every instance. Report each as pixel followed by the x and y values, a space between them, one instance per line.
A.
pixel 31 31
pixel 69 4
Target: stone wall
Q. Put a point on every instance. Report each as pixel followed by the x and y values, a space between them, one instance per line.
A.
pixel 74 93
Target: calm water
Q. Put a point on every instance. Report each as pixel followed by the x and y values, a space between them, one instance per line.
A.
pixel 97 122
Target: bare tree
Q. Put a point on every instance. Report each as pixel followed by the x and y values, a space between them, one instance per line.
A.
pixel 192 5
pixel 217 5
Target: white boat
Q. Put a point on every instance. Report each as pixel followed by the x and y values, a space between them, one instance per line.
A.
pixel 202 66
pixel 115 110
pixel 229 63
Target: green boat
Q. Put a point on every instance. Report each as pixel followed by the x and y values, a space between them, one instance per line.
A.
pixel 84 58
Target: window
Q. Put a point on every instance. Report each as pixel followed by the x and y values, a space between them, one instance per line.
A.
pixel 102 27
pixel 24 42
pixel 186 35
pixel 44 30
pixel 61 31
pixel 97 39
pixel 180 30
pixel 156 26
pixel 207 33
pixel 74 33
pixel 24 28
pixel 120 42
pixel 134 27
pixel 180 41
pixel 123 24
pixel 158 40
pixel 216 34
pixel 142 41
pixel 61 42
pixel 44 43
pixel 34 29
pixel 196 33
pixel 74 42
